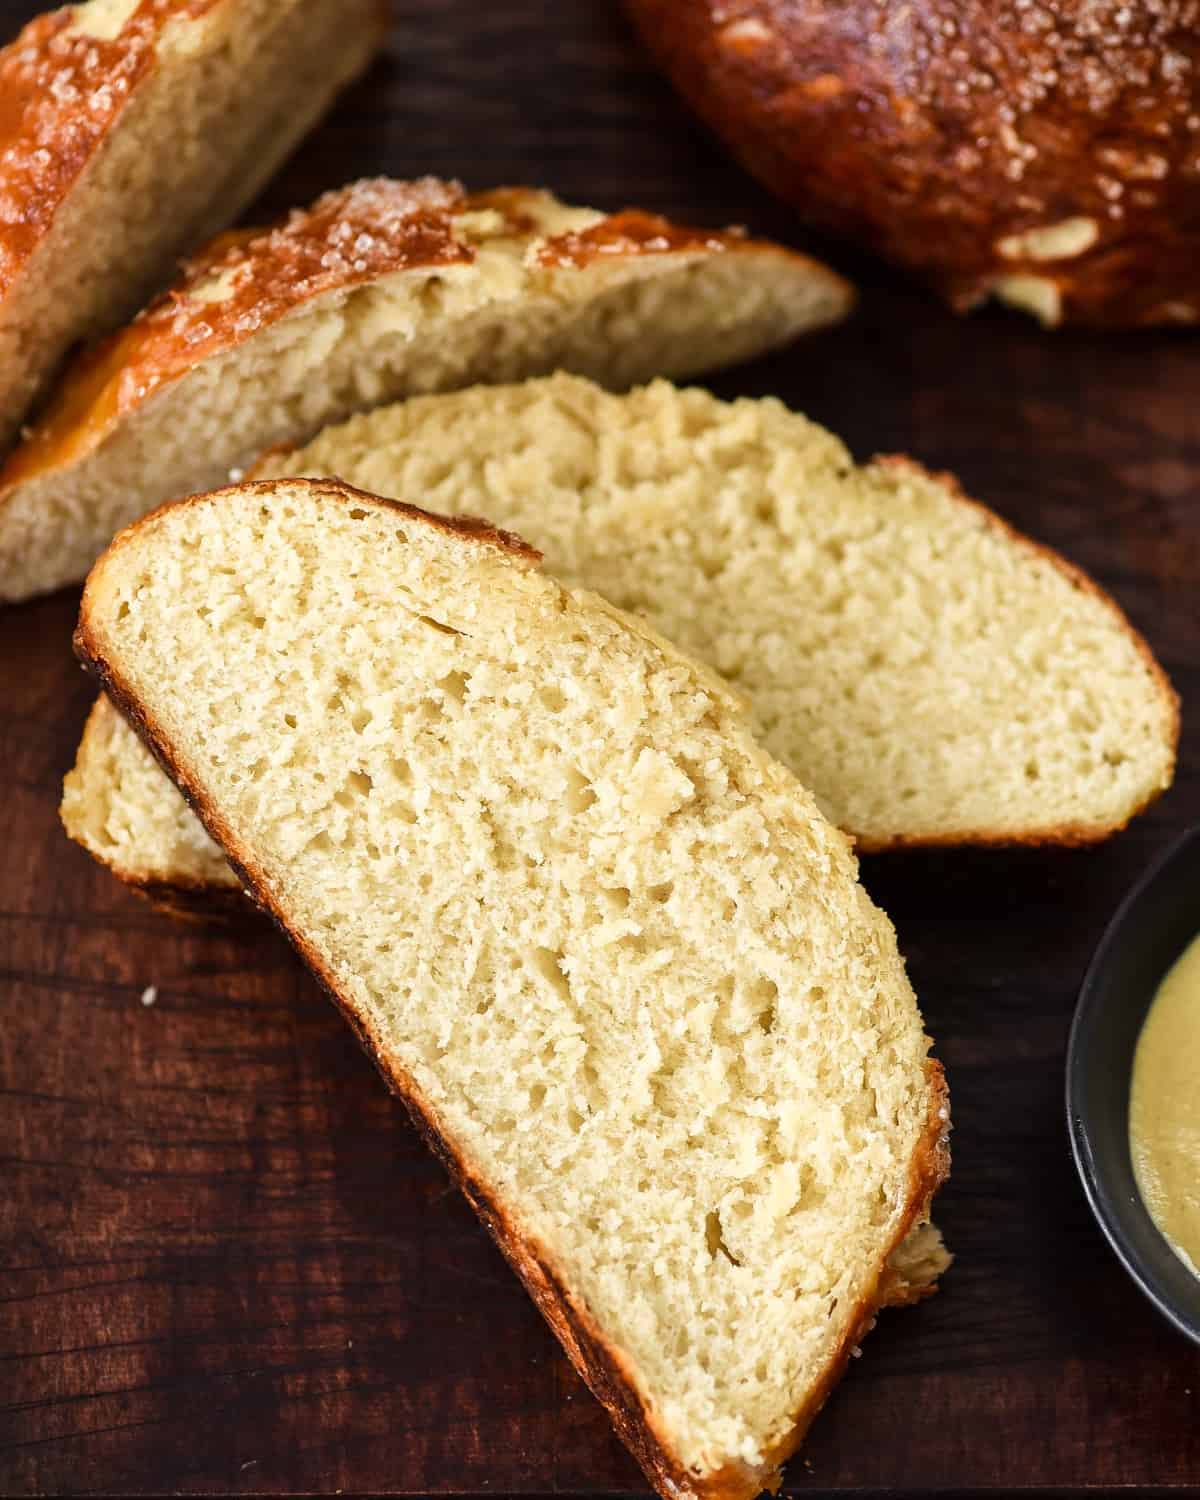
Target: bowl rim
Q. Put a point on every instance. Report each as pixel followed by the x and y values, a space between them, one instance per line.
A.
pixel 1088 1009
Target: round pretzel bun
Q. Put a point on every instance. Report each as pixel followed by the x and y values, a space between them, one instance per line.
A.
pixel 1044 152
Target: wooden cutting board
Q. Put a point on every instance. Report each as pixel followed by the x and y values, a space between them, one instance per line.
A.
pixel 227 1265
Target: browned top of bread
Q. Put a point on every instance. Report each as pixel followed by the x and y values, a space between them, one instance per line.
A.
pixel 633 232
pixel 953 134
pixel 348 237
pixel 61 88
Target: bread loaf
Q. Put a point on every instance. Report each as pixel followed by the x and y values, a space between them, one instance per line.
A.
pixel 1043 154
pixel 933 676
pixel 378 291
pixel 609 953
pixel 130 131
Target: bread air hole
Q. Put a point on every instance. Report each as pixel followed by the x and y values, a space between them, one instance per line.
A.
pixel 357 784
pixel 714 1238
pixel 579 795
pixel 764 993
pixel 454 686
pixel 549 964
pixel 438 625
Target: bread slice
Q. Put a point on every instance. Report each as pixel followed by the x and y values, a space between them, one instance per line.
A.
pixel 609 952
pixel 120 806
pixel 131 130
pixel 933 676
pixel 378 291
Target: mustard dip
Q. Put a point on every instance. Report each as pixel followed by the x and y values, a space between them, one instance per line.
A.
pixel 1164 1108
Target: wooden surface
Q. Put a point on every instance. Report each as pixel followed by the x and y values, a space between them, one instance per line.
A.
pixel 226 1263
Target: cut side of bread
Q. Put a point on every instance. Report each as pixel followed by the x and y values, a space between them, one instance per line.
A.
pixel 130 131
pixel 378 291
pixel 610 954
pixel 934 677
pixel 120 806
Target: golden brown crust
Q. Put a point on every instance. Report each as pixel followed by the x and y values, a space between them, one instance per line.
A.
pixel 61 91
pixel 943 133
pixel 632 232
pixel 598 1362
pixel 350 237
pixel 347 238
pixel 1062 835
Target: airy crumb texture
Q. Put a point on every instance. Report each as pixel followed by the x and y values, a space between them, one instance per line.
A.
pixel 932 676
pixel 959 684
pixel 380 290
pixel 611 953
pixel 129 131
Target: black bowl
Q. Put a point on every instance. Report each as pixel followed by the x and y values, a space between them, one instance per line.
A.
pixel 1152 927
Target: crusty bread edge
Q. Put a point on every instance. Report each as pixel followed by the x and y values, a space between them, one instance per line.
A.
pixel 382 22
pixel 1065 835
pixel 603 1367
pixel 198 902
pixel 608 267
pixel 182 897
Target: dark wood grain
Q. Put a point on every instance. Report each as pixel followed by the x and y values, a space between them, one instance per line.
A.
pixel 227 1265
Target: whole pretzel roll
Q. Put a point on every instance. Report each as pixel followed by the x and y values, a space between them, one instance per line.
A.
pixel 1046 152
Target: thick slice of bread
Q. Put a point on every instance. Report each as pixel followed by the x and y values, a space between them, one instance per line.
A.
pixel 378 291
pixel 131 130
pixel 930 674
pixel 608 951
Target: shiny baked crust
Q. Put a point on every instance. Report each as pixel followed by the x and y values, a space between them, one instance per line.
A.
pixel 1046 153
pixel 349 237
pixel 61 90
pixel 131 131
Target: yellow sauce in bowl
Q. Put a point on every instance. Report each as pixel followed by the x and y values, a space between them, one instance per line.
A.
pixel 1164 1108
